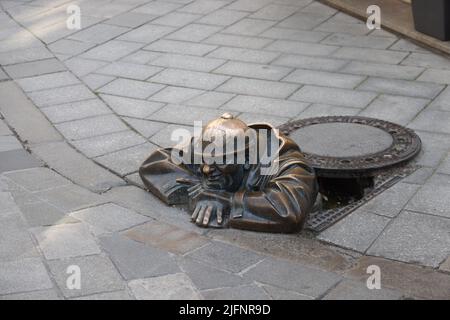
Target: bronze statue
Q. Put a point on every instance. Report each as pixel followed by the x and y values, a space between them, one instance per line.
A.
pixel 222 193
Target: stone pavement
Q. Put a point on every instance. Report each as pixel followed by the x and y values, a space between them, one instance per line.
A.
pixel 81 109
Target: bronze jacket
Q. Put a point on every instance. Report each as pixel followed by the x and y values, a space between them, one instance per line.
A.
pixel 279 202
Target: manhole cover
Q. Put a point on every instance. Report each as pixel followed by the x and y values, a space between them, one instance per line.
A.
pixel 346 146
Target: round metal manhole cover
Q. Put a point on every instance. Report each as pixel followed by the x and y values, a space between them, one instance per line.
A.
pixel 350 145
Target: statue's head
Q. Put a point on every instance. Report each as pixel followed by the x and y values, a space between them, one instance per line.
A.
pixel 224 146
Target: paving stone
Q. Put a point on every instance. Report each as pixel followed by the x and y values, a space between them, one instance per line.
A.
pixel 82 67
pixel 190 79
pixel 163 137
pixel 232 40
pixel 98 33
pixel 420 176
pixel 9 143
pixel 203 6
pixel 176 19
pixel 226 257
pixel 333 96
pixel 76 110
pixel 166 237
pixel 4 130
pixel 246 55
pixel 210 99
pixel 34 295
pixel 194 32
pixel 48 81
pixel 115 296
pixel 97 274
pixel 442 101
pixel 24 55
pixel 396 109
pixel 322 78
pixel 193 63
pixel 248 70
pixel 37 179
pixel 23 275
pixel 108 218
pixel 127 161
pixel 306 48
pixel 370 55
pixel 170 287
pixel 265 106
pixel 340 27
pixel 141 57
pixel 445 165
pixel 62 95
pixel 131 88
pixel 249 27
pixel 436 76
pixel 129 70
pixel 157 8
pixel 43 214
pixel 353 290
pixel 111 50
pixel 303 21
pixel 146 33
pixel 306 62
pixel 319 8
pixel 324 110
pixel 17 160
pixel 181 47
pixel 427 60
pixel 145 127
pixel 131 19
pixel 293 34
pixel 131 107
pixel 264 88
pixel 65 241
pixel 311 282
pixel 263 118
pixel 274 12
pixel 402 87
pixel 223 17
pixel 98 146
pixel 3 75
pixel 382 70
pixel 8 204
pixel 414 238
pixel 236 293
pixel 357 231
pixel 171 114
pixel 434 148
pixel 435 121
pixel 172 94
pixel 348 40
pixel 34 68
pixel 281 294
pixel 91 127
pixel 136 260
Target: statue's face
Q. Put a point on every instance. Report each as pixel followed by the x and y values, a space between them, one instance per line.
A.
pixel 222 176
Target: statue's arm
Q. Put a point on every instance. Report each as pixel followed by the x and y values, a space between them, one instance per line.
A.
pixel 282 206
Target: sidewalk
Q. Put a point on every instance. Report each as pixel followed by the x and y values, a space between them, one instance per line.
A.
pixel 82 109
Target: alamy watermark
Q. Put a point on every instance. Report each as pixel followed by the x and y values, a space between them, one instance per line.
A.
pixel 374 18
pixel 374 280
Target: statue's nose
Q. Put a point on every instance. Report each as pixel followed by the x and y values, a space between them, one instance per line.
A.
pixel 207 169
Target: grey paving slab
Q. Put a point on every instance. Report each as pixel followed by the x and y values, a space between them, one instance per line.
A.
pixel 436 76
pixel 247 5
pixel 9 143
pixel 48 81
pixel 402 87
pixel 282 294
pixel 275 107
pixel 263 118
pixel 145 127
pixel 176 19
pixel 34 68
pixel 293 277
pixel 256 87
pixel 170 287
pixel 101 145
pixel 445 165
pixel 97 274
pixel 407 45
pixel 434 121
pixel 98 33
pixel 171 114
pixel 135 260
pixel 146 33
pixel 61 95
pixel 17 160
pixel 4 130
pixel 323 78
pixel 249 27
pixel 324 110
pixel 232 40
pixel 223 17
pixel 226 257
pixel 303 21
pixel 82 67
pixel 129 107
pixel 203 6
pixel 49 294
pixel 163 137
pixel 420 176
pixel 131 19
pixel 382 70
pixel 442 101
pixel 23 275
pixel 43 214
pixel 76 110
pixel 127 161
pixel 131 88
pixel 112 50
pixel 370 55
pixel 353 290
pixel 194 32
pixel 142 57
pixel 303 48
pixel 356 231
pixel 427 60
pixel 171 94
pixel 274 12
pixel 114 295
pixel 307 62
pixel 343 27
pixel 398 109
pixel 243 292
pixel 107 218
pixel 334 96
pixel 91 127
pixel 190 79
pixel 245 55
pixel 181 47
pixel 349 40
pixel 37 179
pixel 157 8
pixel 210 99
pixel 70 47
pixel 24 55
pixel 129 70
pixel 249 70
pixel 65 241
pixel 293 34
pixel 193 63
pixel 434 148
pixel 3 75
pixel 415 238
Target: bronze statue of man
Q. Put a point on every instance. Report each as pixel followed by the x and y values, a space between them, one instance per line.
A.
pixel 239 193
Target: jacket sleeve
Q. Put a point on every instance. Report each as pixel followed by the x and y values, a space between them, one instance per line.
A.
pixel 282 205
